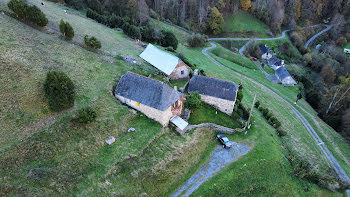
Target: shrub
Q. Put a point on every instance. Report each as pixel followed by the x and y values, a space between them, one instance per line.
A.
pixel 30 13
pixel 257 104
pixel 169 39
pixel 35 15
pixel 115 21
pixel 86 115
pixel 59 90
pixel 239 95
pixel 153 14
pixel 281 132
pixel 342 41
pixel 66 29
pixel 92 42
pixel 197 40
pixel 134 32
pixel 193 100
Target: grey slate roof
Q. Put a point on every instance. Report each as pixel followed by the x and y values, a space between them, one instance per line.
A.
pixel 282 73
pixel 213 87
pixel 263 49
pixel 147 91
pixel 274 61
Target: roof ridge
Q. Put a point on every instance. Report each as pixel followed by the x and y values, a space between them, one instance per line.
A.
pixel 217 79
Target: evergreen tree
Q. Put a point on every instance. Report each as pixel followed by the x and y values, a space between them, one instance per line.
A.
pixel 59 90
pixel 66 30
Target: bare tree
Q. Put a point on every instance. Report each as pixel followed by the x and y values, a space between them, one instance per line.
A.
pixel 337 95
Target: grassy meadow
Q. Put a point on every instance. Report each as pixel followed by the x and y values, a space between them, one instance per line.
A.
pixel 44 153
pixel 242 24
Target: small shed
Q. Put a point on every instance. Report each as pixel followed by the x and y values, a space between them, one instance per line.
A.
pixel 169 64
pixel 216 92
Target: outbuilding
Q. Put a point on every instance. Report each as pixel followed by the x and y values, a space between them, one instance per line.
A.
pixel 153 98
pixel 216 92
pixel 169 64
pixel 284 77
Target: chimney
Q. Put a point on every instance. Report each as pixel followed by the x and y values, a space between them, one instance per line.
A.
pixel 175 88
pixel 195 72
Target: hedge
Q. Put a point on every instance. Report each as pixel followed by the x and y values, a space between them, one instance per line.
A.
pixel 26 12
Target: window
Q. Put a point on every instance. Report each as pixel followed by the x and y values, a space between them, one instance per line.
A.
pixel 182 72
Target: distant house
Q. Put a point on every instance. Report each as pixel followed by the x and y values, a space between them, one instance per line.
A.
pixel 284 77
pixel 218 93
pixel 265 52
pixel 274 62
pixel 169 64
pixel 151 97
pixel 347 51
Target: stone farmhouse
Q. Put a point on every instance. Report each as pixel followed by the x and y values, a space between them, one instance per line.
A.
pixel 284 77
pixel 169 64
pixel 216 92
pixel 153 98
pixel 281 73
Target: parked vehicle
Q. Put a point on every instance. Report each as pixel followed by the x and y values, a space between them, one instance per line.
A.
pixel 254 59
pixel 224 141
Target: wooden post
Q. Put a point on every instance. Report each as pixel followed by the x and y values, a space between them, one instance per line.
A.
pixel 250 115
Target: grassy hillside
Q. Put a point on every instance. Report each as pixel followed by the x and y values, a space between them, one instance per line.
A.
pixel 45 153
pixel 243 24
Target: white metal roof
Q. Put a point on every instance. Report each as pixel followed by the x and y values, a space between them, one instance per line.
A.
pixel 179 122
pixel 162 60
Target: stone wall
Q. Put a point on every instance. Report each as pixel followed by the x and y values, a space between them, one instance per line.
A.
pixel 176 74
pixel 223 105
pixel 162 117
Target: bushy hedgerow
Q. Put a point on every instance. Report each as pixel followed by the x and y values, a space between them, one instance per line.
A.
pixel 29 13
pixel 59 90
pixel 92 42
pixel 193 100
pixel 66 30
pixel 132 31
pixel 86 115
pixel 271 119
pixel 168 39
pixel 197 40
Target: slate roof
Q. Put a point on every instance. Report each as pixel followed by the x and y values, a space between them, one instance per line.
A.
pixel 263 49
pixel 213 87
pixel 274 61
pixel 147 91
pixel 282 73
pixel 162 60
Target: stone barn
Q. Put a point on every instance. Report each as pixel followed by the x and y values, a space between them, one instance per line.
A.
pixel 153 98
pixel 169 64
pixel 284 77
pixel 216 92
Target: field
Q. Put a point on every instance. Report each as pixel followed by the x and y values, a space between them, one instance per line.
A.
pixel 233 57
pixel 243 24
pixel 44 153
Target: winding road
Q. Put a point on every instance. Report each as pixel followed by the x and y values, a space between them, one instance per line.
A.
pixel 334 163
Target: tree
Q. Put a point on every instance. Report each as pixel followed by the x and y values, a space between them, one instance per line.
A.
pixel 92 42
pixel 196 40
pixel 276 13
pixel 215 22
pixel 342 41
pixel 193 100
pixel 30 13
pixel 169 39
pixel 59 90
pixel 346 122
pixel 86 115
pixel 327 74
pixel 336 97
pixel 66 29
pixel 245 4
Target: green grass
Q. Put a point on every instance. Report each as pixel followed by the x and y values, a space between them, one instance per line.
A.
pixel 178 83
pixel 298 139
pixel 206 113
pixel 233 45
pixel 269 70
pixel 233 57
pixel 73 160
pixel 245 25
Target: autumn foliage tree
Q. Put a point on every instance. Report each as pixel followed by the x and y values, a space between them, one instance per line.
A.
pixel 215 23
pixel 327 74
pixel 245 4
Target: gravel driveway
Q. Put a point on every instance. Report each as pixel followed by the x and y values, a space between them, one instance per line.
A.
pixel 219 159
